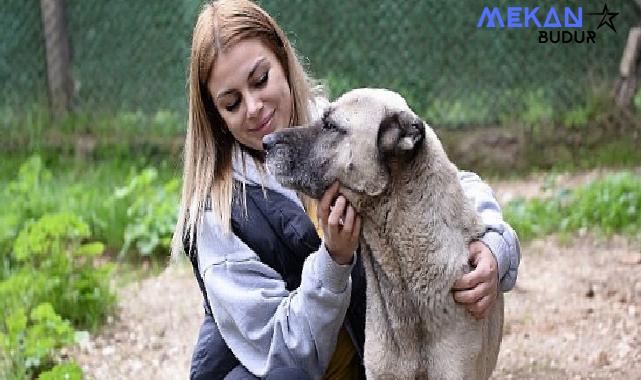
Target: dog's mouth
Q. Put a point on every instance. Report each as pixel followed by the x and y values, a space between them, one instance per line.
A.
pixel 293 171
pixel 279 161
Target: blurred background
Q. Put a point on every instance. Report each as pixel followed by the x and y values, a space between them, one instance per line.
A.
pixel 93 116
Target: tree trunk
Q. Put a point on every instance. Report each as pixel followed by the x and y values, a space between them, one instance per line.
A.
pixel 58 54
pixel 627 83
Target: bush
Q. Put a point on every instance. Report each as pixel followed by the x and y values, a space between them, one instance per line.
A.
pixel 76 286
pixel 55 279
pixel 66 371
pixel 609 205
pixel 86 190
pixel 29 344
pixel 152 212
pixel 51 282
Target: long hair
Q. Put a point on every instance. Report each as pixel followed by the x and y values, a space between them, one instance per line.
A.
pixel 207 171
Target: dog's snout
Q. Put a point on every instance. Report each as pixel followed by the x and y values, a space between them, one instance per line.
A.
pixel 269 141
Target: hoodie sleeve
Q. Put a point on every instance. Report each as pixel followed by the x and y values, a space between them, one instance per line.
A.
pixel 499 236
pixel 265 325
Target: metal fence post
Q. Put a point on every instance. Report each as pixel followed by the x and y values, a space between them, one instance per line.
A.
pixel 58 54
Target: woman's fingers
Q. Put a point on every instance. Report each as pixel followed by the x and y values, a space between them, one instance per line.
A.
pixel 480 309
pixel 340 223
pixel 471 296
pixel 324 206
pixel 336 213
pixel 469 280
pixel 348 220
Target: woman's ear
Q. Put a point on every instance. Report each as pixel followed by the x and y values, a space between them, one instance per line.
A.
pixel 400 134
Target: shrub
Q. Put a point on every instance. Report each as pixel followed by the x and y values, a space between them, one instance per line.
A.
pixel 55 279
pixel 66 371
pixel 75 285
pixel 29 344
pixel 152 211
pixel 609 205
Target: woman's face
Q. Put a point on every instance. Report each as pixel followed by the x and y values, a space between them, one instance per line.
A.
pixel 250 91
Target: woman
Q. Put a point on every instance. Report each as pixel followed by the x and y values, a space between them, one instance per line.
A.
pixel 287 304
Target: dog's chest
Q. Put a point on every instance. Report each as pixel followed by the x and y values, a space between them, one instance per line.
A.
pixel 401 276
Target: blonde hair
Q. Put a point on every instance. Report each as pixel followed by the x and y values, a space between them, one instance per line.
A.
pixel 207 171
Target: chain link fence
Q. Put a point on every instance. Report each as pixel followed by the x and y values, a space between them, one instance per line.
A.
pixel 130 56
pixel 23 71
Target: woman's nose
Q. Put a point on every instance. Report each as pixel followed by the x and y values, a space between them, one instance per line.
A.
pixel 254 105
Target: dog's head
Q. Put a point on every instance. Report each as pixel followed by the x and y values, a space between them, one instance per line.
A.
pixel 359 136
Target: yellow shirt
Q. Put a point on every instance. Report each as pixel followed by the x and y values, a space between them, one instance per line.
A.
pixel 344 362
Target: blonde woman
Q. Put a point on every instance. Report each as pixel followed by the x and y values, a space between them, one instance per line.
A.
pixel 279 301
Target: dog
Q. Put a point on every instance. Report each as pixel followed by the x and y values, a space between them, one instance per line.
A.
pixel 417 224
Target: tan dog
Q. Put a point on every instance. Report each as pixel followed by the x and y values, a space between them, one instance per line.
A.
pixel 417 224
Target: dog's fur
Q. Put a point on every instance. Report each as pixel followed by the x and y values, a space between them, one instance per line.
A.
pixel 417 224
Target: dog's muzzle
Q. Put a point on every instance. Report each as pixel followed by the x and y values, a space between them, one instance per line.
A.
pixel 269 141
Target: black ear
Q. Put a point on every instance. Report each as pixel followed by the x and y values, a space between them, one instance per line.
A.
pixel 400 134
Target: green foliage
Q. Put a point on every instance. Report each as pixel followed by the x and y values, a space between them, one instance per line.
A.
pixel 54 278
pixel 576 117
pixel 50 255
pixel 336 85
pixel 66 371
pixel 152 211
pixel 462 111
pixel 538 109
pixel 39 240
pixel 28 345
pixel 22 201
pixel 637 100
pixel 610 205
pixel 596 108
pixel 125 125
pixel 533 218
pixel 75 285
pixel 84 189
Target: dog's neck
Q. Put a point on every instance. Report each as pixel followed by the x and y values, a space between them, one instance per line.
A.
pixel 421 218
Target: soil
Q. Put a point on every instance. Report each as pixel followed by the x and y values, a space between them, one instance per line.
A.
pixel 575 312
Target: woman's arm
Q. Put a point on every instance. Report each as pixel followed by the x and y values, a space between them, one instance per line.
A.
pixel 499 237
pixel 263 324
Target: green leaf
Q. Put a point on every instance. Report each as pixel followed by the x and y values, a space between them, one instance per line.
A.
pixel 16 322
pixel 90 249
pixel 65 371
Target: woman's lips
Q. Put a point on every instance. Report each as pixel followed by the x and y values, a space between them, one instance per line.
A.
pixel 265 123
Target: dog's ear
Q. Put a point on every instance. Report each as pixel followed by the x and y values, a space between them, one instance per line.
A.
pixel 400 134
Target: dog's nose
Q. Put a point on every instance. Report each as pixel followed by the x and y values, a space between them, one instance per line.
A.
pixel 269 141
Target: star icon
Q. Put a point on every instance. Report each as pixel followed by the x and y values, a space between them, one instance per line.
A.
pixel 606 18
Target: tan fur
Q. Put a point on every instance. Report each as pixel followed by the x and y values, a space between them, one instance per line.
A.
pixel 417 224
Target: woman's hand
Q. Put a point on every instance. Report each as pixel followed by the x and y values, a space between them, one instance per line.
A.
pixel 341 225
pixel 478 289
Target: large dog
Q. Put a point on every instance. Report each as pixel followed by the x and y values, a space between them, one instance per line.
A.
pixel 417 225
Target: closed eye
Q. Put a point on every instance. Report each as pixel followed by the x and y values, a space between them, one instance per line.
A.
pixel 262 81
pixel 232 106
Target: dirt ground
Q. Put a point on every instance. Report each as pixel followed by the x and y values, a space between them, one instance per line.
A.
pixel 575 312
